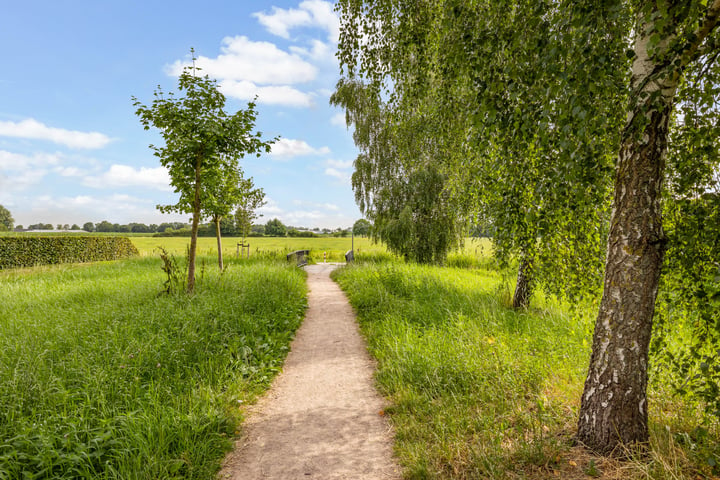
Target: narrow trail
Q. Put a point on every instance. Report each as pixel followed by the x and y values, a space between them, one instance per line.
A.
pixel 322 416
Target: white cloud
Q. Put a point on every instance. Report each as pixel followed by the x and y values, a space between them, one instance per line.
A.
pixel 16 161
pixel 270 95
pixel 344 177
pixel 325 206
pixel 287 148
pixel 127 176
pixel 70 172
pixel 243 60
pixel 82 208
pixel 312 13
pixel 318 51
pixel 23 180
pixel 344 164
pixel 338 119
pixel 32 129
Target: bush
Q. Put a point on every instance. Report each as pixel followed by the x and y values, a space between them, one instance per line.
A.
pixel 18 252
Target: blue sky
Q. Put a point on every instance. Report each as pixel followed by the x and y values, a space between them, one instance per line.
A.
pixel 72 149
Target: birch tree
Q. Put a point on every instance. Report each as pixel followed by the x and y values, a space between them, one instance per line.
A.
pixel 669 38
pixel 553 88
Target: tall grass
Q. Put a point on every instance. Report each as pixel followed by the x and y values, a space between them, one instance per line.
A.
pixel 102 378
pixel 478 390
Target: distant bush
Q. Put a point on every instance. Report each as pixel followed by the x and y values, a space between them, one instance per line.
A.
pixel 182 232
pixel 30 251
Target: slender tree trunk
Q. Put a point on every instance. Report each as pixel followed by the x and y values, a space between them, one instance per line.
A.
pixel 219 242
pixel 523 287
pixel 613 408
pixel 195 226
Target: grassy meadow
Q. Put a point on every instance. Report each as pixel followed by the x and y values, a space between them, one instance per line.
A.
pixel 478 390
pixel 260 246
pixel 334 247
pixel 103 377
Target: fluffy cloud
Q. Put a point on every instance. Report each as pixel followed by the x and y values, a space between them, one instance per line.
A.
pixel 78 209
pixel 286 148
pixel 344 177
pixel 32 129
pixel 339 169
pixel 270 95
pixel 344 164
pixel 338 119
pixel 16 161
pixel 259 62
pixel 311 13
pixel 325 206
pixel 127 176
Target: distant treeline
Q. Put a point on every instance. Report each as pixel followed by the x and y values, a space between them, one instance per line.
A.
pixel 273 228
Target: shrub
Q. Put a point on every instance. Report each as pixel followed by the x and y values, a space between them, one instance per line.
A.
pixel 30 251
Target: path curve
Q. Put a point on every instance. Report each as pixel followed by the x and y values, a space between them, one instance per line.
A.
pixel 322 416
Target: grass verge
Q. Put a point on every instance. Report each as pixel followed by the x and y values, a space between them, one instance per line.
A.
pixel 103 378
pixel 478 390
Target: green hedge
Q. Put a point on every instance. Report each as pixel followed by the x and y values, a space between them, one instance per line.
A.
pixel 30 251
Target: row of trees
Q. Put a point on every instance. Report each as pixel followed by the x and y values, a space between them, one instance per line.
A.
pixel 566 125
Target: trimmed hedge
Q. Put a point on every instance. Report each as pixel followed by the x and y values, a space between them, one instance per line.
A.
pixel 30 251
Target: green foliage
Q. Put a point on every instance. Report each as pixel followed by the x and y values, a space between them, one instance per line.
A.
pixel 250 200
pixel 6 219
pixel 687 328
pixel 275 228
pixel 202 147
pixel 362 227
pixel 104 379
pixel 27 251
pixel 398 180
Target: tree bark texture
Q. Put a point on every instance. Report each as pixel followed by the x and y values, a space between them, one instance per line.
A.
pixel 613 408
pixel 195 226
pixel 523 287
pixel 219 242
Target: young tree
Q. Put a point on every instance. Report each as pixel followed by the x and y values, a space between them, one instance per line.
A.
pixel 246 213
pixel 6 219
pixel 200 139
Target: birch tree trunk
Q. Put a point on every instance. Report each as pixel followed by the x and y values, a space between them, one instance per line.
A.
pixel 523 287
pixel 613 408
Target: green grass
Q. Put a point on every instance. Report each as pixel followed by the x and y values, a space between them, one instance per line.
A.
pixel 102 378
pixel 478 390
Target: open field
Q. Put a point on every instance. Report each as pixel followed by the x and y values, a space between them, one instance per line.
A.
pixel 102 377
pixel 333 246
pixel 478 390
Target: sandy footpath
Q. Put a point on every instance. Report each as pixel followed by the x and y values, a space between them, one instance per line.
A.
pixel 322 416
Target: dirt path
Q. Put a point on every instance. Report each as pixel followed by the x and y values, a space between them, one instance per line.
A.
pixel 321 418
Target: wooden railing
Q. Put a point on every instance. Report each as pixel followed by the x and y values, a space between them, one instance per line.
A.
pixel 300 257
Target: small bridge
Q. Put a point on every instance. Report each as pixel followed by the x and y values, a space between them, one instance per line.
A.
pixel 300 257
